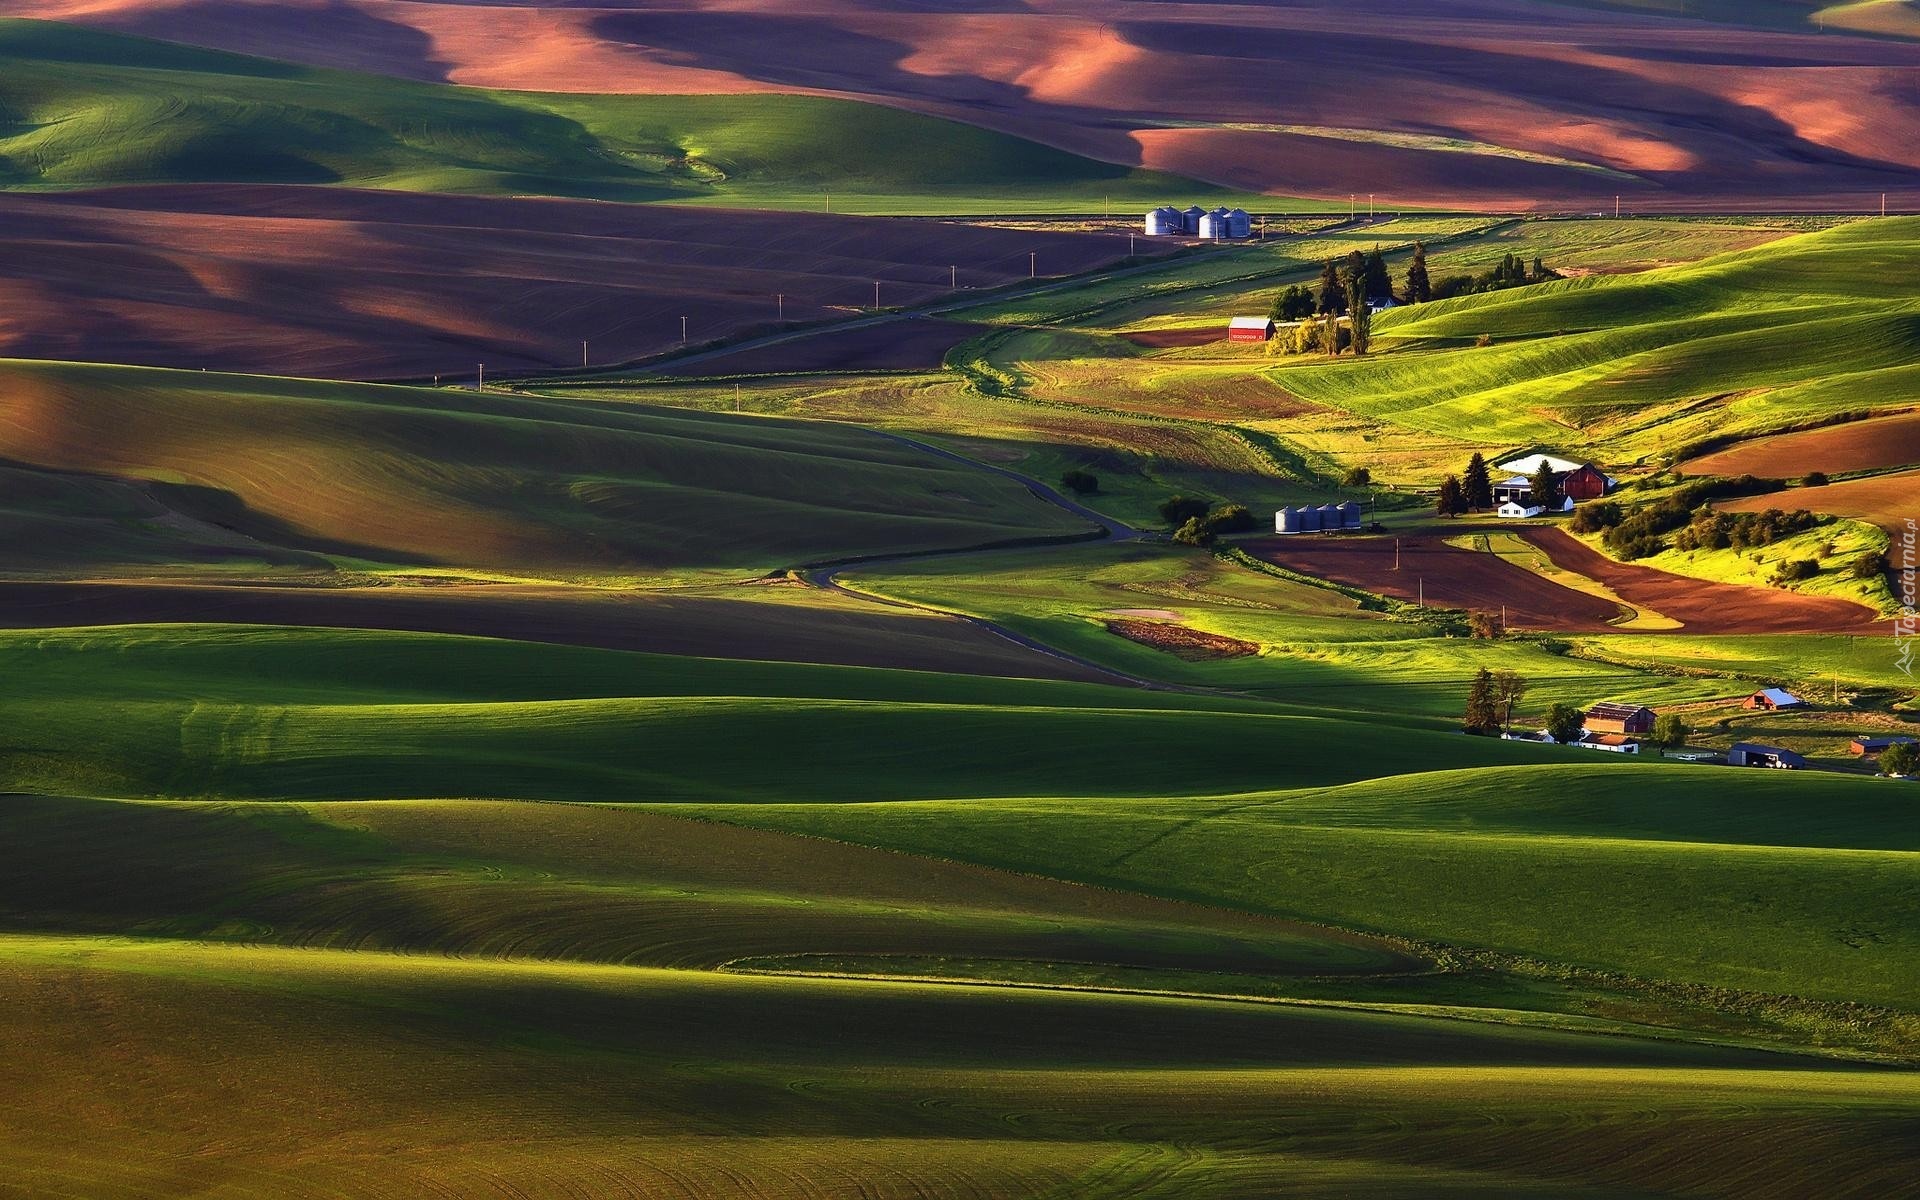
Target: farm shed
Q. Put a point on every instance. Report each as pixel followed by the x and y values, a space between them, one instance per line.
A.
pixel 1587 483
pixel 1611 743
pixel 1871 746
pixel 1772 699
pixel 1516 510
pixel 1608 717
pixel 1249 329
pixel 1749 754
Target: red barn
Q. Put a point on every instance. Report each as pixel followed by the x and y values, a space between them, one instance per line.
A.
pixel 1587 483
pixel 1632 719
pixel 1249 329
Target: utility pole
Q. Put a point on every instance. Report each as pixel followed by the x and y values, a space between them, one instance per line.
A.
pixel 583 354
pixel 780 306
pixel 481 386
pixel 829 199
pixel 1423 591
pixel 1353 206
pixel 1033 264
pixel 1616 208
pixel 683 331
pixel 876 295
pixel 1131 236
pixel 1369 206
pixel 1883 204
pixel 736 398
pixel 953 278
pixel 1396 554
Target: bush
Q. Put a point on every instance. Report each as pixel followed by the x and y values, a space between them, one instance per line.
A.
pixel 1901 758
pixel 1178 510
pixel 1795 570
pixel 1482 624
pixel 1358 477
pixel 1637 547
pixel 1231 518
pixel 1868 566
pixel 1814 479
pixel 1196 532
pixel 1080 483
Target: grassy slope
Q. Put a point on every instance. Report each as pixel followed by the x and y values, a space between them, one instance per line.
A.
pixel 419 477
pixel 1639 366
pixel 79 108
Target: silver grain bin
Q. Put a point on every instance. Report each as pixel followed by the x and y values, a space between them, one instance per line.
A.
pixel 1239 224
pixel 1190 219
pixel 1165 221
pixel 1309 518
pixel 1350 515
pixel 1331 518
pixel 1212 227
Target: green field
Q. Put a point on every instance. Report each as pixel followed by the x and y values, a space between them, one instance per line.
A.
pixel 79 108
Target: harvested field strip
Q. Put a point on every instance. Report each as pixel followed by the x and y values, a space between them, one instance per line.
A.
pixel 1194 645
pixel 1871 445
pixel 1889 501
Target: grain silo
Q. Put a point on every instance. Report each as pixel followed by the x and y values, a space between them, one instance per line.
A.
pixel 1239 224
pixel 1287 520
pixel 1165 221
pixel 1331 518
pixel 1350 515
pixel 1309 518
pixel 1190 219
pixel 1212 226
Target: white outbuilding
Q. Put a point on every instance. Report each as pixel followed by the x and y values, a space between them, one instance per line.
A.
pixel 1514 510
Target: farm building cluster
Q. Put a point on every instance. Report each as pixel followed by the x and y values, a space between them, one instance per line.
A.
pixel 1573 483
pixel 1222 224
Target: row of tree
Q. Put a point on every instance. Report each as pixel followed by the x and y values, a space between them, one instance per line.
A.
pixel 1473 493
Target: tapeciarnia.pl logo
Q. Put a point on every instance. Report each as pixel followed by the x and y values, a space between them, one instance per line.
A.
pixel 1904 628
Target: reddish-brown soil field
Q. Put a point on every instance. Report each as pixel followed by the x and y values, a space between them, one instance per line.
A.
pixel 370 285
pixel 1703 606
pixel 1453 578
pixel 1856 446
pixel 1172 339
pixel 1889 501
pixel 1194 645
pixel 1460 578
pixel 1676 113
pixel 709 626
pixel 918 344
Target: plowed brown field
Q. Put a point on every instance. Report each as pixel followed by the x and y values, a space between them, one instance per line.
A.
pixel 921 343
pixel 1856 446
pixel 1581 103
pixel 1460 578
pixel 1889 501
pixel 367 285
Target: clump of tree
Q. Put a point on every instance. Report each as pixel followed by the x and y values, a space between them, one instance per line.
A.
pixel 1490 701
pixel 1080 483
pixel 1452 500
pixel 1670 729
pixel 1419 286
pixel 1512 272
pixel 1297 303
pixel 1795 571
pixel 1478 484
pixel 1311 337
pixel 1814 479
pixel 1544 487
pixel 1901 758
pixel 1708 530
pixel 1596 516
pixel 1178 510
pixel 1195 532
pixel 1868 566
pixel 1483 625
pixel 1330 295
pixel 1565 723
pixel 1359 316
pixel 1231 518
pixel 1642 532
pixel 1357 477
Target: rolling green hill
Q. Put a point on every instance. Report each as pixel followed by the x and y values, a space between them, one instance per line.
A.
pixel 1625 367
pixel 79 108
pixel 246 469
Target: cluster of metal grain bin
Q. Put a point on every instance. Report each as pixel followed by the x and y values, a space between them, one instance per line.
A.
pixel 1220 224
pixel 1328 518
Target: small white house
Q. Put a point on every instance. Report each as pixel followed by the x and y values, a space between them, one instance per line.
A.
pixel 1514 510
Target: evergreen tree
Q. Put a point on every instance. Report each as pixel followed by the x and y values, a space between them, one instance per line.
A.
pixel 1539 269
pixel 1419 287
pixel 1330 335
pixel 1901 758
pixel 1452 501
pixel 1478 485
pixel 1355 268
pixel 1379 283
pixel 1483 715
pixel 1360 319
pixel 1330 297
pixel 1670 729
pixel 1546 487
